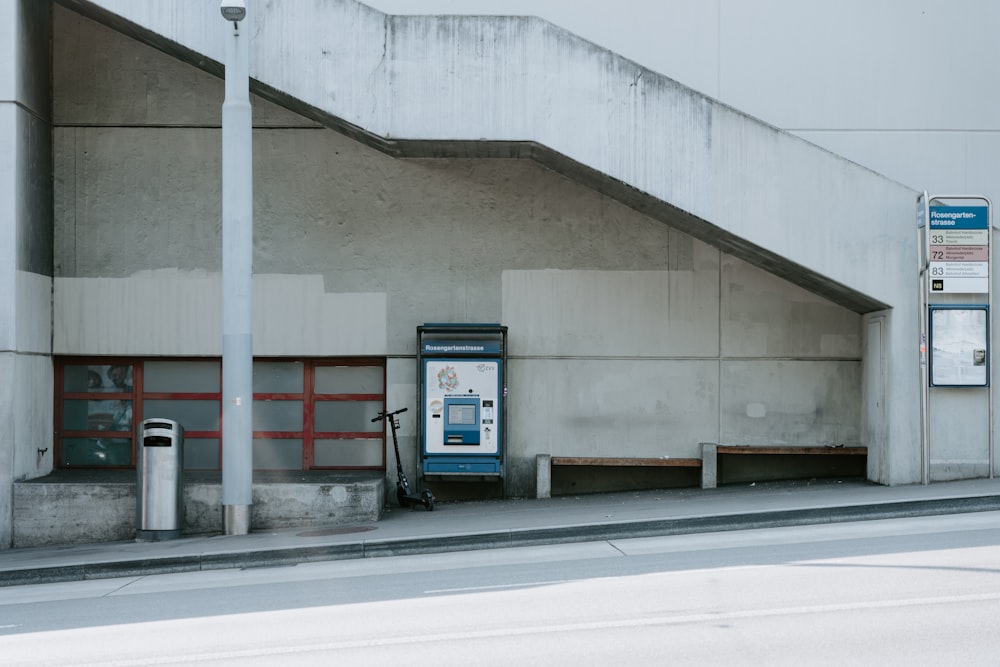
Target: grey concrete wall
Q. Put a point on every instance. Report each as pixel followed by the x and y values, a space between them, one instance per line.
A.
pixel 959 434
pixel 465 86
pixel 627 337
pixel 654 363
pixel 785 62
pixel 25 250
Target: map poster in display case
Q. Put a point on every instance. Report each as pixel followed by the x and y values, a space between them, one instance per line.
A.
pixel 959 345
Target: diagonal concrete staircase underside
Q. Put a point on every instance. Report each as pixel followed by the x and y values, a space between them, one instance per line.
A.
pixel 520 87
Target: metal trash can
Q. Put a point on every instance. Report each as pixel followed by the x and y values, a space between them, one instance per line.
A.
pixel 159 489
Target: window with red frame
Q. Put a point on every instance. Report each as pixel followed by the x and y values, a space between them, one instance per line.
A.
pixel 308 414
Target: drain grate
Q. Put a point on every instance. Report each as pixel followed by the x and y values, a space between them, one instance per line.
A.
pixel 343 530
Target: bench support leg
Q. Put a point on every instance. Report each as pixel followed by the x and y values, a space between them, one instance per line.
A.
pixel 543 476
pixel 709 465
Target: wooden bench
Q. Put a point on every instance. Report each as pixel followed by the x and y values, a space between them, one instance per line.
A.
pixel 710 452
pixel 545 462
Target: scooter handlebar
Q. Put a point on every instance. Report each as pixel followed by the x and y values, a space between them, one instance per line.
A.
pixel 383 415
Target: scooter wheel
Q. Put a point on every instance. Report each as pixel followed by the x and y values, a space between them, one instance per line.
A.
pixel 428 501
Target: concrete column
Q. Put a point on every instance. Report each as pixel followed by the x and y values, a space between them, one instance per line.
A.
pixel 25 250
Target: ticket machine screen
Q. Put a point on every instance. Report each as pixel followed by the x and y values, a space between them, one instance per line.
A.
pixel 461 424
pixel 461 415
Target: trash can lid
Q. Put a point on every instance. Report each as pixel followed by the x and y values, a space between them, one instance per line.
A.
pixel 157 423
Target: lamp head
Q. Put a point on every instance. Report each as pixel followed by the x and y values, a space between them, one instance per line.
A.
pixel 233 10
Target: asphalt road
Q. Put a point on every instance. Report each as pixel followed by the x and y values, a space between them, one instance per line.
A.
pixel 922 591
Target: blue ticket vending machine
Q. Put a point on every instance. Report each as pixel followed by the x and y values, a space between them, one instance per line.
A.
pixel 461 394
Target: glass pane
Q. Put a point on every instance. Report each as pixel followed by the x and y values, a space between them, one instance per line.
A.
pixel 347 453
pixel 349 379
pixel 97 452
pixel 201 454
pixel 277 454
pixel 278 377
pixel 277 416
pixel 192 415
pixel 109 415
pixel 348 416
pixel 181 376
pixel 105 378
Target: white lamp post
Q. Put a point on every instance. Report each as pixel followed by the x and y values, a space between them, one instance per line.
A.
pixel 237 279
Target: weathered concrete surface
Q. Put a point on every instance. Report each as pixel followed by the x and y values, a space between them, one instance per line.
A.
pixel 7 361
pixel 543 476
pixel 289 500
pixel 25 249
pixel 784 62
pixel 520 87
pixel 80 507
pixel 451 80
pixel 74 511
pixel 709 465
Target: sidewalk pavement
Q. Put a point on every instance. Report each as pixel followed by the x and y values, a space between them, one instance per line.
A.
pixel 490 524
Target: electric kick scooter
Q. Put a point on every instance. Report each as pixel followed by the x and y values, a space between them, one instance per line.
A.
pixel 404 496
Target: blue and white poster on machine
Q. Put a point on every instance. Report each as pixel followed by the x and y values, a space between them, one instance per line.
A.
pixel 461 406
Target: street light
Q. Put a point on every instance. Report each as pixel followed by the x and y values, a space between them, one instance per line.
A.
pixel 234 10
pixel 237 280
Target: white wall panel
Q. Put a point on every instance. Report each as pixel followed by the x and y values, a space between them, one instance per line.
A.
pixel 612 313
pixel 169 312
pixel 610 407
pixel 790 403
pixel 811 327
pixel 34 312
pixel 915 159
pixel 861 65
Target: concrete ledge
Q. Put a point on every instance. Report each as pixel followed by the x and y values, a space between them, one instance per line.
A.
pixel 82 507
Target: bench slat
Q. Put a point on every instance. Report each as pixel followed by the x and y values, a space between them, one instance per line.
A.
pixel 753 449
pixel 612 461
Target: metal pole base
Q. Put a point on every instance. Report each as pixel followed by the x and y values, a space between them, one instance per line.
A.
pixel 236 519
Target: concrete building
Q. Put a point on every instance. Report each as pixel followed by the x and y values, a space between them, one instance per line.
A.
pixel 672 267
